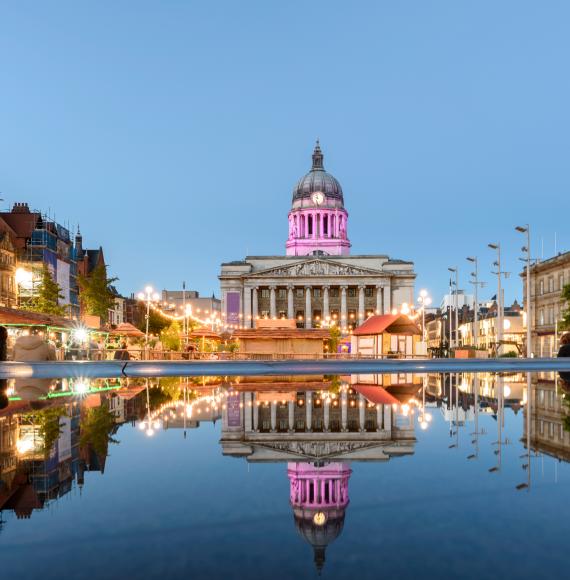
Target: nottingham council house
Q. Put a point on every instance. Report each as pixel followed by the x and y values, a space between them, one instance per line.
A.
pixel 318 282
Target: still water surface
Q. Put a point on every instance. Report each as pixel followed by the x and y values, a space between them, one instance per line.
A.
pixel 286 477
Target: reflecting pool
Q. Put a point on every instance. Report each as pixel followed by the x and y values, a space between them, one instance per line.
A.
pixel 456 475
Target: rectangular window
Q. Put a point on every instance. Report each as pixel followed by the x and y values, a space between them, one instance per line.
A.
pixel 282 314
pixel 316 292
pixel 333 292
pixel 351 316
pixel 317 315
pixel 265 292
pixel 351 292
pixel 300 314
pixel 551 284
pixel 561 282
pixel 300 293
pixel 541 316
pixel 282 293
pixel 265 314
pixel 541 287
pixel 335 314
pixel 368 292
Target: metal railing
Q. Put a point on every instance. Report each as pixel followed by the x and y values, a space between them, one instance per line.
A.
pixel 249 367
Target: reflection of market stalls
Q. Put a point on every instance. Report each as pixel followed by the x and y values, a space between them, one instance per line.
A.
pixel 403 386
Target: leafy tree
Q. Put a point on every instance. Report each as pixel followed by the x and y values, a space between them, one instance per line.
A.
pixel 334 339
pixel 156 322
pixel 565 322
pixel 96 294
pixel 48 423
pixel 170 336
pixel 47 296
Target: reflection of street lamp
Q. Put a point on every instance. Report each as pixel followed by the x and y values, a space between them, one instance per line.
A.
pixel 526 249
pixel 424 300
pixel 148 296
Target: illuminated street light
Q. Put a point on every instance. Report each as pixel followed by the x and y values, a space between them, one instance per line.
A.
pixel 526 249
pixel 148 296
pixel 425 301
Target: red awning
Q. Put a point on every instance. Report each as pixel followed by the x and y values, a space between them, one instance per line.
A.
pixel 375 394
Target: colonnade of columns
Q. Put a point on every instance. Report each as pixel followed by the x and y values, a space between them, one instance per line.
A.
pixel 251 414
pixel 383 302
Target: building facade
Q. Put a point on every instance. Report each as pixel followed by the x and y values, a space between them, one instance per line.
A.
pixel 548 279
pixel 317 282
pixel 39 241
pixel 8 286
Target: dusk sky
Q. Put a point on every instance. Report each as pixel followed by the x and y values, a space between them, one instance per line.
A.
pixel 173 132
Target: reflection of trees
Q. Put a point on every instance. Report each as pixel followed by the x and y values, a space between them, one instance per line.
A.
pixel 48 423
pixel 96 427
pixel 169 389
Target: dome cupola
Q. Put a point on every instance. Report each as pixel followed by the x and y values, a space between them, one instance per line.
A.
pixel 318 220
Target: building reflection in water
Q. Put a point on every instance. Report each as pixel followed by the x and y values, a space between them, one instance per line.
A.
pixel 318 428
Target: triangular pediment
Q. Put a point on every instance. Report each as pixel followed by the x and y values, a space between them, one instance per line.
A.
pixel 316 267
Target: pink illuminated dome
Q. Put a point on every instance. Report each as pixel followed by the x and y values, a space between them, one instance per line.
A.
pixel 319 497
pixel 318 220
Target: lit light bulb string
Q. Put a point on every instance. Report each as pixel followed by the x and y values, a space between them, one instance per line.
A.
pixel 189 314
pixel 170 409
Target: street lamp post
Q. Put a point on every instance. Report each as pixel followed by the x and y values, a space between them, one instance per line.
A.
pixel 148 296
pixel 526 249
pixel 500 323
pixel 476 285
pixel 424 300
pixel 456 306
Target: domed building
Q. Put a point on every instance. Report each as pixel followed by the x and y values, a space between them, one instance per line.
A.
pixel 318 219
pixel 318 282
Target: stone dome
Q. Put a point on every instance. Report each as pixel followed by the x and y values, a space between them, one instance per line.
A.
pixel 318 180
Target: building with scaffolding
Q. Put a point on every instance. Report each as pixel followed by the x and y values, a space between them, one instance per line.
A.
pixel 39 240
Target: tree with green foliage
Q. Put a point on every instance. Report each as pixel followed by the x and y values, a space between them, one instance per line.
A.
pixel 156 322
pixel 334 339
pixel 565 322
pixel 47 296
pixel 170 336
pixel 96 294
pixel 48 422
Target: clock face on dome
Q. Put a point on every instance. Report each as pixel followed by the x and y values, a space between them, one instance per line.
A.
pixel 318 198
pixel 319 519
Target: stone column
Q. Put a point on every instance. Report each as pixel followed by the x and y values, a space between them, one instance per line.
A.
pixel 290 302
pixel 291 410
pixel 361 411
pixel 379 305
pixel 273 416
pixel 308 308
pixel 309 409
pixel 255 413
pixel 247 411
pixel 379 417
pixel 272 304
pixel 360 304
pixel 247 307
pixel 326 413
pixel 343 310
pixel 388 298
pixel 255 312
pixel 344 409
pixel 326 311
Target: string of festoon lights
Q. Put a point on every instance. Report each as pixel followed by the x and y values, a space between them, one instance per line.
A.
pixel 217 321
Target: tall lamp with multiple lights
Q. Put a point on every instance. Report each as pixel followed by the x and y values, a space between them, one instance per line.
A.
pixel 526 249
pixel 499 273
pixel 148 296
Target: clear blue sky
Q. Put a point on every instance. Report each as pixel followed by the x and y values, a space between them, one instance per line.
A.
pixel 174 131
